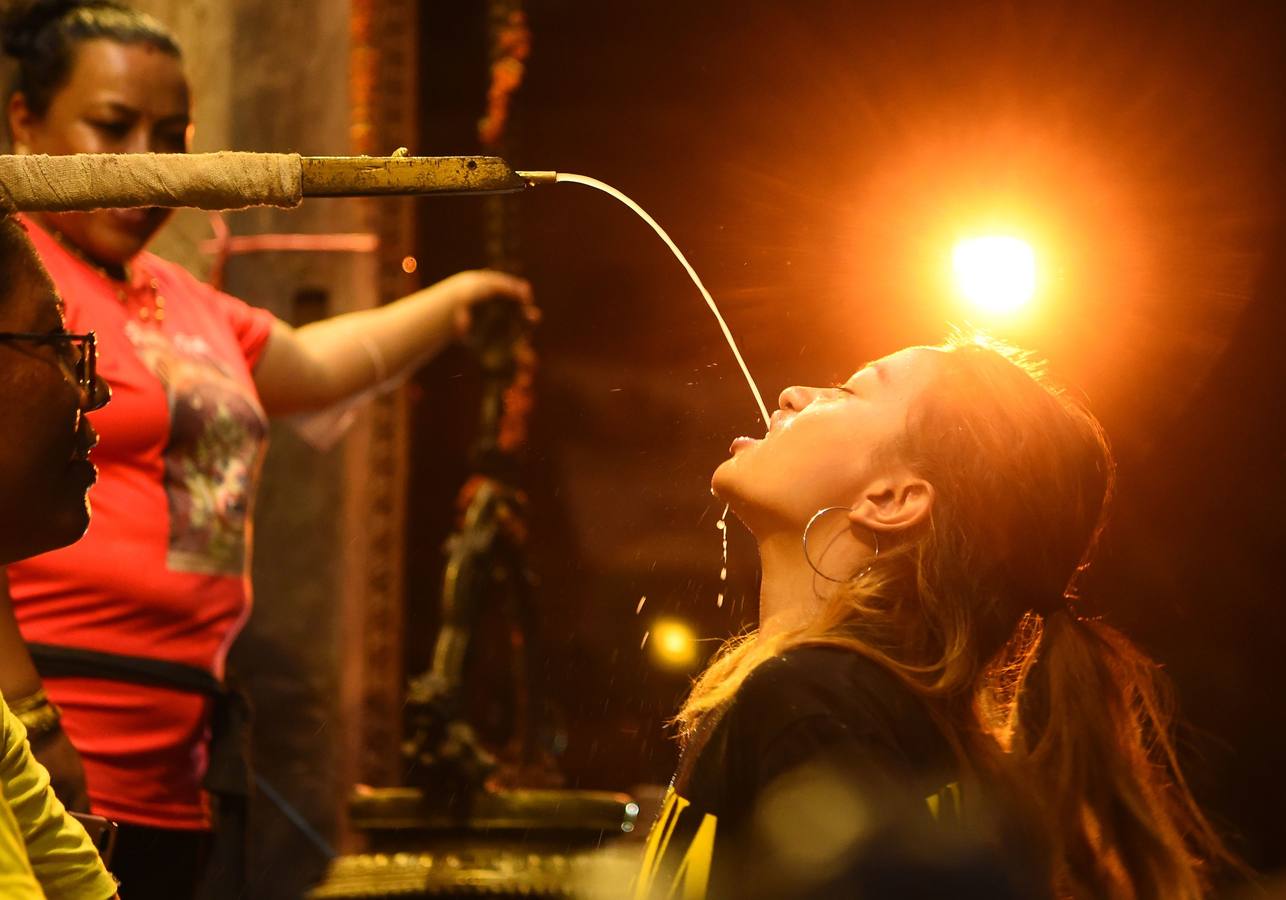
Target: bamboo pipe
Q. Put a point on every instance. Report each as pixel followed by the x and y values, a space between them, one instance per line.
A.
pixel 233 180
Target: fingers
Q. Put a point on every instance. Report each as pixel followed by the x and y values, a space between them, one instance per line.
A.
pixel 513 286
pixel 490 284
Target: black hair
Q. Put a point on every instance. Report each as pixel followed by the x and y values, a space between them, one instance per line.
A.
pixel 18 260
pixel 43 35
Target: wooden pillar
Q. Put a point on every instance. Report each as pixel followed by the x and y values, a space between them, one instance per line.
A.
pixel 382 102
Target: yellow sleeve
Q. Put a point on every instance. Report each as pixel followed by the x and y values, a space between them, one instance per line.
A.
pixel 65 863
pixel 17 881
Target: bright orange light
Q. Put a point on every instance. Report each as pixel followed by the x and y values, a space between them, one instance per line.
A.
pixel 995 273
pixel 673 644
pixel 409 264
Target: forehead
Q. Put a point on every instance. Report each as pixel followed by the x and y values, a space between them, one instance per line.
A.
pixel 905 369
pixel 30 302
pixel 138 74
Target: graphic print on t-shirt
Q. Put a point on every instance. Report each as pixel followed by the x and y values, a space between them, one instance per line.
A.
pixel 216 432
pixel 679 858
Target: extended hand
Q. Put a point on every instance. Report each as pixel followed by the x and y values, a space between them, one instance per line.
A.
pixel 463 289
pixel 66 773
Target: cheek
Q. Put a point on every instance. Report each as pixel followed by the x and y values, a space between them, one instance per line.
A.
pixel 39 433
pixel 82 138
pixel 64 132
pixel 827 459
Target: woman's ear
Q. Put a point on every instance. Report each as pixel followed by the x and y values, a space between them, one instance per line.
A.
pixel 20 123
pixel 893 502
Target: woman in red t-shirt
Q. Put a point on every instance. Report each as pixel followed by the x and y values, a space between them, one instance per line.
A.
pixel 161 576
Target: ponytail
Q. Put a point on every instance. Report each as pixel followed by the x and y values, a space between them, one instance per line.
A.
pixel 1093 737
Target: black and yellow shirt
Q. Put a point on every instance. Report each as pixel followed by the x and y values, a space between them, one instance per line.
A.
pixel 820 750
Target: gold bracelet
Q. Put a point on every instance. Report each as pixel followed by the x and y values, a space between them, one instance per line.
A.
pixel 29 702
pixel 41 722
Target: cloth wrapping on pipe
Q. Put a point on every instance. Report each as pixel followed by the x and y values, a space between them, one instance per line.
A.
pixel 226 180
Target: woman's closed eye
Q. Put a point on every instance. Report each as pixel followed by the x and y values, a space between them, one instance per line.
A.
pixel 117 129
pixel 170 140
pixel 65 350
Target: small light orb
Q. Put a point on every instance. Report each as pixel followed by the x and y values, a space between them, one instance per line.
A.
pixel 674 646
pixel 995 273
pixel 409 264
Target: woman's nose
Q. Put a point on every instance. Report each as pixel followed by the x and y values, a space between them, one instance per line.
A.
pixel 794 398
pixel 138 140
pixel 98 395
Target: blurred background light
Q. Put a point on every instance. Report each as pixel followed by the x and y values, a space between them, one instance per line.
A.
pixel 996 273
pixel 673 644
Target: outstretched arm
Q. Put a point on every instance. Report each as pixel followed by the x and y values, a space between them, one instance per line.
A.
pixel 312 367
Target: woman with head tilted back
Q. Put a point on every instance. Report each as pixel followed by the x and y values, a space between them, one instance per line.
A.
pixel 138 616
pixel 47 385
pixel 920 660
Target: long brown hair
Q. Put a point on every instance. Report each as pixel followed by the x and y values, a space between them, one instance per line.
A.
pixel 976 613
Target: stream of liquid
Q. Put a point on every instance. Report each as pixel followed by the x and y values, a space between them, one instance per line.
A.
pixel 660 232
pixel 714 308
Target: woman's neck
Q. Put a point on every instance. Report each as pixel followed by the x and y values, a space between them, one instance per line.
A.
pixel 790 592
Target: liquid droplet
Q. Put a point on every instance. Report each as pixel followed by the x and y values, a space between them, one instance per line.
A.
pixel 646 635
pixel 723 532
pixel 638 609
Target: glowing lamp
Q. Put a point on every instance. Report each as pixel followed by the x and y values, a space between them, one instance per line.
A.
pixel 673 644
pixel 995 273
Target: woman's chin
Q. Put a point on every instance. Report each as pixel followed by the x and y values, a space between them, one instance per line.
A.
pixel 62 533
pixel 110 237
pixel 723 481
pixel 112 246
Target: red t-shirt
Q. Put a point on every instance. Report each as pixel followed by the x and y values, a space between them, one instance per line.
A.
pixel 162 572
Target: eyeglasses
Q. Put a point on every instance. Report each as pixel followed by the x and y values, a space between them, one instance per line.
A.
pixel 77 352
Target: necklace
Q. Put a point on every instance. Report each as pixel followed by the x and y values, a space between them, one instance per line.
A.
pixel 148 308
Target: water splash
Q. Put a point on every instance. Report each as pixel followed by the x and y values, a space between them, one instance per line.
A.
pixel 727 333
pixel 722 525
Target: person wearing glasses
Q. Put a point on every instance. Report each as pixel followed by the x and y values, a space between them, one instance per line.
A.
pixel 47 384
pixel 131 625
